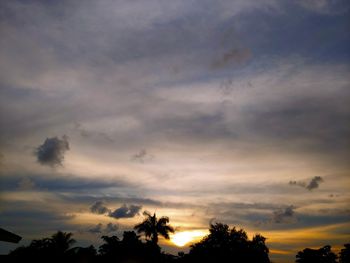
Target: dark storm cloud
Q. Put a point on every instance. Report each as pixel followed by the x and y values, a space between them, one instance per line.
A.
pixel 52 151
pixel 125 211
pixel 99 208
pixel 313 184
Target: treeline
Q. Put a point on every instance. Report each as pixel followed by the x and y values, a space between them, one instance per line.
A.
pixel 222 244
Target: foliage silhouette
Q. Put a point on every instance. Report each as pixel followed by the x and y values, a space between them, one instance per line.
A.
pixel 322 255
pixel 223 244
pixel 152 227
pixel 228 245
pixel 344 255
pixel 54 248
pixel 60 242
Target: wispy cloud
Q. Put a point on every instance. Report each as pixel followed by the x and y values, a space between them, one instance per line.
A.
pixel 142 156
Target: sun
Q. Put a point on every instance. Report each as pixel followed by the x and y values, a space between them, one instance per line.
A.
pixel 182 238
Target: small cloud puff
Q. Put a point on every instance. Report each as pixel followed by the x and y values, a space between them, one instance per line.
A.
pixel 125 211
pixel 52 151
pixel 286 215
pixel 98 229
pixel 99 208
pixel 313 184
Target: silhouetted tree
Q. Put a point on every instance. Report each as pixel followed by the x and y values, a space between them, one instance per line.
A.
pixel 152 227
pixel 111 246
pixel 81 254
pixel 344 255
pixel 322 255
pixel 132 246
pixel 47 249
pixel 228 245
pixel 60 242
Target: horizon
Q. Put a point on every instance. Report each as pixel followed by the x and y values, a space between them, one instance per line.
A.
pixel 228 111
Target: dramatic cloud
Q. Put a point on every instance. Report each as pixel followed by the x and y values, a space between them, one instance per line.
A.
pixel 99 208
pixel 52 151
pixel 219 92
pixel 313 184
pixel 125 211
pixel 286 215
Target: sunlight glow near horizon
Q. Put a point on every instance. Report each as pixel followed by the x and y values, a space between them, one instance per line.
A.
pixel 180 239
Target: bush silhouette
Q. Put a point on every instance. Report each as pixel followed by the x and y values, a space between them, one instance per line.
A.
pixel 322 255
pixel 229 245
pixel 222 244
pixel 344 255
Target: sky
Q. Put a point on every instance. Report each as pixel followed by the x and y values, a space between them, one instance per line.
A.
pixel 203 111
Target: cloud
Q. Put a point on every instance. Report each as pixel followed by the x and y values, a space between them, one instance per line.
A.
pixel 327 7
pixel 235 55
pixel 26 184
pixel 313 184
pixel 52 151
pixel 99 208
pixel 110 227
pixel 142 156
pixel 125 211
pixel 96 229
pixel 286 215
pixel 99 135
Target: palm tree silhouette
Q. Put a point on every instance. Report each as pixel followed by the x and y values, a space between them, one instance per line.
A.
pixel 61 241
pixel 152 227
